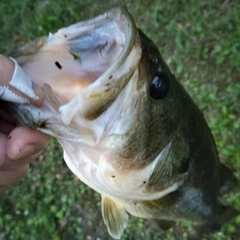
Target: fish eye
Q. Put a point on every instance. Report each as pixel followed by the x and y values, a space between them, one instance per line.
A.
pixel 159 86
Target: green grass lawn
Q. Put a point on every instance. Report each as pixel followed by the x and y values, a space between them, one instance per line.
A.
pixel 200 40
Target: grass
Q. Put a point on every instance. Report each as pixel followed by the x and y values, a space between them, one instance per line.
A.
pixel 200 42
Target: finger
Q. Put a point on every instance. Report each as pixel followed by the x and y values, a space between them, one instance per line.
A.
pixel 23 142
pixel 6 126
pixel 6 69
pixel 10 164
pixel 3 188
pixel 3 143
pixel 8 177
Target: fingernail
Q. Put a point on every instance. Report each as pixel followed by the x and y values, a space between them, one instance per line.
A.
pixel 25 151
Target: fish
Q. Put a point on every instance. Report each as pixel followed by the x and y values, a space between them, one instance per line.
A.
pixel 128 128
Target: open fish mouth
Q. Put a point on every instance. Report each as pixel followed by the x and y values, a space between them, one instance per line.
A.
pixel 81 68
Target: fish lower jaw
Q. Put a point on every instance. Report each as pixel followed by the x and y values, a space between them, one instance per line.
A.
pixel 95 170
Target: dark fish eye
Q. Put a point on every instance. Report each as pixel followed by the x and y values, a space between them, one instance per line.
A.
pixel 159 86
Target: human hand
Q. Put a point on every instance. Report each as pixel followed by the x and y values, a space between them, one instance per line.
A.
pixel 18 145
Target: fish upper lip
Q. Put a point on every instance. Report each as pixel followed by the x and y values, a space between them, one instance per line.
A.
pixel 100 93
pixel 124 21
pixel 130 36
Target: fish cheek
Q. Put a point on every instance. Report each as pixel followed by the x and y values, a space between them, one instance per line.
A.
pixel 158 113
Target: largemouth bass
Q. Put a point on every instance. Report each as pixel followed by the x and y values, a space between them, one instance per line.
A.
pixel 128 128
